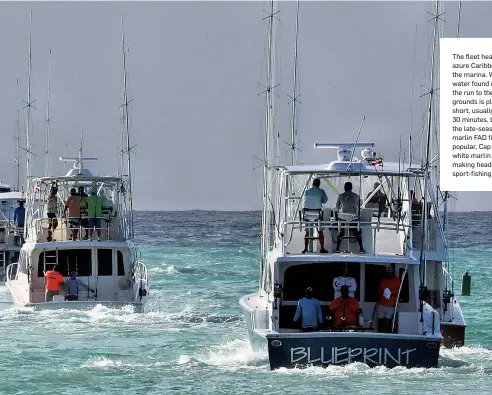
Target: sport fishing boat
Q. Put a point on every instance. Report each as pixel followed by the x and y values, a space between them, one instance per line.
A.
pixel 405 235
pixel 11 236
pixel 107 265
pixel 393 239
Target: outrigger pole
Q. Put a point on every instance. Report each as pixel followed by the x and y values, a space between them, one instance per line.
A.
pixel 269 110
pixel 423 256
pixel 293 129
pixel 17 144
pixel 47 151
pixel 28 106
pixel 125 139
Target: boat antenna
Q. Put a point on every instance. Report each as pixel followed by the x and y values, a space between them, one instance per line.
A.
pixel 65 162
pixel 355 144
pixel 270 85
pixel 411 97
pixel 447 195
pixel 47 151
pixel 126 130
pixel 122 139
pixel 295 96
pixel 29 105
pixel 80 166
pixel 459 21
pixel 423 256
pixel 17 144
pixel 398 214
pixel 410 152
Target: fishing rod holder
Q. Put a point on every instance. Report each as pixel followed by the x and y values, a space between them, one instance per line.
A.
pixel 423 293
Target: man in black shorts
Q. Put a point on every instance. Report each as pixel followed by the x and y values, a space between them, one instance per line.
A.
pixel 349 202
pixel 52 211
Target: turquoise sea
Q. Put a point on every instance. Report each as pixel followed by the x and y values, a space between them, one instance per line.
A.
pixel 193 338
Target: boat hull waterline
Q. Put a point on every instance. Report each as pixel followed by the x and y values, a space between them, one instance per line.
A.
pixel 83 305
pixel 320 349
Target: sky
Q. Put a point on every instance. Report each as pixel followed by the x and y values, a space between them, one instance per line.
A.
pixel 194 71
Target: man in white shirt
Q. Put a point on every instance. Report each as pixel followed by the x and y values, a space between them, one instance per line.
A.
pixel 340 281
pixel 314 198
pixel 349 202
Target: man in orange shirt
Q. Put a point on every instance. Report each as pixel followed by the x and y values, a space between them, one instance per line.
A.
pixel 53 280
pixel 345 308
pixel 388 290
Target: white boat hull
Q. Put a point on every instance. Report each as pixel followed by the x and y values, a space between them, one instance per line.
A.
pixel 138 306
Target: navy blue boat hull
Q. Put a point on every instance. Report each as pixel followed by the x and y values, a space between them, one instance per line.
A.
pixel 299 351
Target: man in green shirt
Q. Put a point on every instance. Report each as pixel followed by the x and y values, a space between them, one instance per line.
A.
pixel 94 210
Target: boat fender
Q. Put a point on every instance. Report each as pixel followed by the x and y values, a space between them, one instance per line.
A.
pixel 466 284
pixel 142 292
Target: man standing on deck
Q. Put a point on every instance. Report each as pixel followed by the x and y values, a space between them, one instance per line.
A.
pixel 345 308
pixel 84 221
pixel 340 281
pixel 349 202
pixel 388 290
pixel 310 310
pixel 378 200
pixel 73 285
pixel 314 198
pixel 19 218
pixel 52 211
pixel 94 208
pixel 72 205
pixel 53 281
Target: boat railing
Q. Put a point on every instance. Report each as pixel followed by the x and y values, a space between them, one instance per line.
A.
pixel 346 224
pixel 432 226
pixel 11 272
pixel 8 233
pixel 140 272
pixel 140 280
pixel 447 274
pixel 110 228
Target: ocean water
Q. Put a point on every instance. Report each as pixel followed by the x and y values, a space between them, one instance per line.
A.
pixel 193 339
